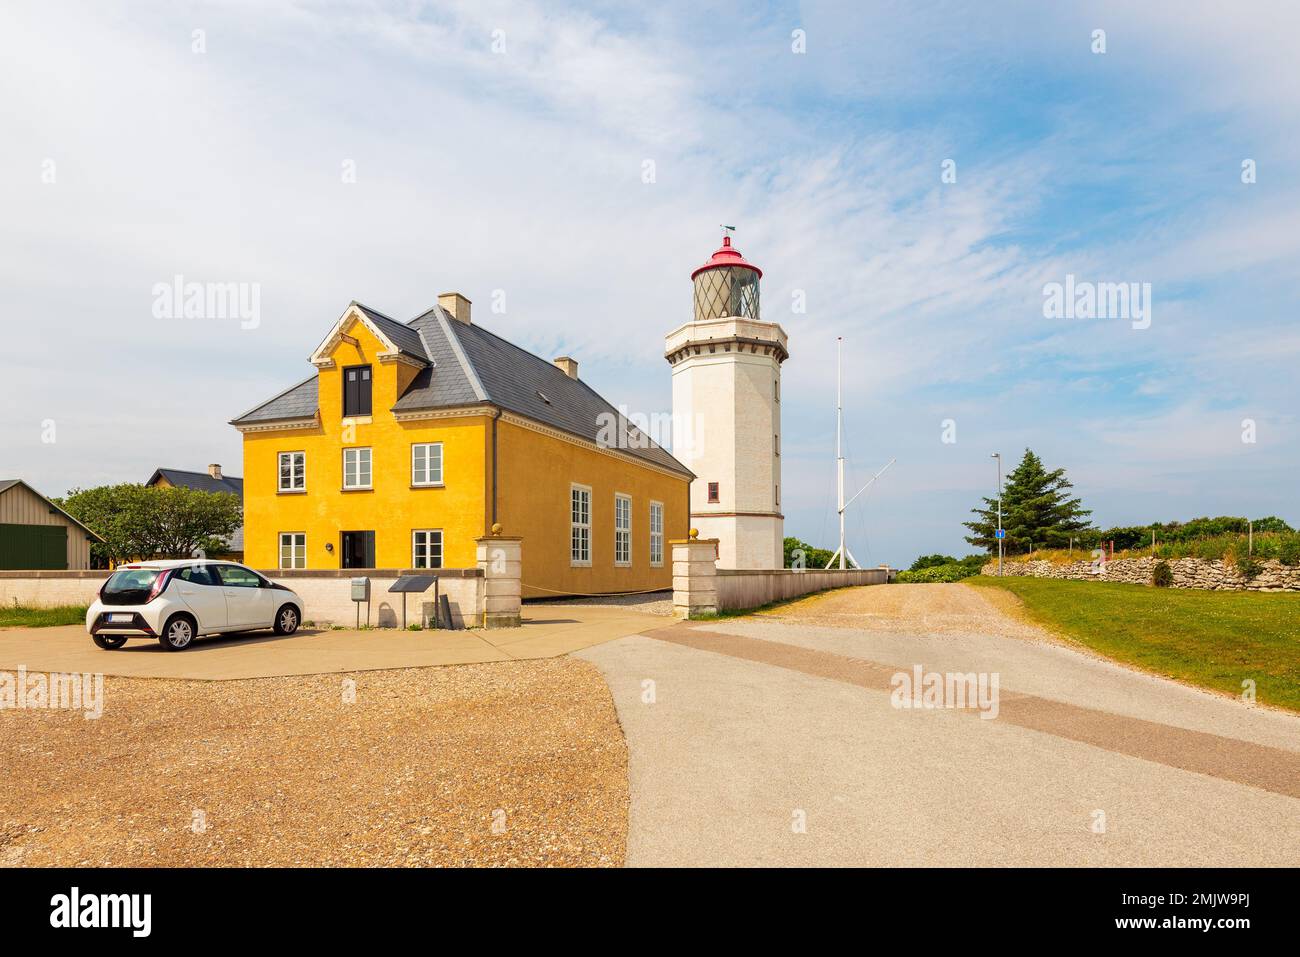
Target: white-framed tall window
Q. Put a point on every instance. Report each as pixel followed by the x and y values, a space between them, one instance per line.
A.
pixel 426 463
pixel 356 468
pixel 622 529
pixel 656 534
pixel 426 548
pixel 293 472
pixel 293 549
pixel 579 525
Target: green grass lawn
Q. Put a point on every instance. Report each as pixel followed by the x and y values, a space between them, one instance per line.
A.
pixel 16 616
pixel 1213 639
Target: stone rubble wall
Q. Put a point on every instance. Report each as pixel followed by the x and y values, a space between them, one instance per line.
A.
pixel 1210 574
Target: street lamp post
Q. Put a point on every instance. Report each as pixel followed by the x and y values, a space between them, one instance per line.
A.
pixel 998 456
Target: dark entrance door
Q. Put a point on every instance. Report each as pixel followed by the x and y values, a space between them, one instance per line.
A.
pixel 358 550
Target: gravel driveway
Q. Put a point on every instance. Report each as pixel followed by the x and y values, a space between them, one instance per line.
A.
pixel 517 763
pixel 773 740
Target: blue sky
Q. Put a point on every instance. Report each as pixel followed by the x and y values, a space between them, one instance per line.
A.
pixel 520 170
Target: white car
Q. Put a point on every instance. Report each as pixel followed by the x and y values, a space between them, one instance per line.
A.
pixel 176 601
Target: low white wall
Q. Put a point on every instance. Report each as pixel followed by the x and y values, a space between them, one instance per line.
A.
pixel 328 600
pixel 326 596
pixel 742 588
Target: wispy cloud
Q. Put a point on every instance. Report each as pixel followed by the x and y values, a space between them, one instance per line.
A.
pixel 504 147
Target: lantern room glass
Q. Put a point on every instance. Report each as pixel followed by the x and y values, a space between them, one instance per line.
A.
pixel 726 291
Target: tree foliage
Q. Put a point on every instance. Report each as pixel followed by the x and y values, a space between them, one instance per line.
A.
pixel 930 561
pixel 802 555
pixel 138 521
pixel 1037 511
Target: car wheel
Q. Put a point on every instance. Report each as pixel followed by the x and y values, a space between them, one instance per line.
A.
pixel 178 633
pixel 109 642
pixel 286 620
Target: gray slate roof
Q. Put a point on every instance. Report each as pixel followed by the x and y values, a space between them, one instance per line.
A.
pixel 200 481
pixel 402 335
pixel 296 402
pixel 468 365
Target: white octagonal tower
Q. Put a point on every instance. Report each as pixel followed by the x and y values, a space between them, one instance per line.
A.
pixel 726 366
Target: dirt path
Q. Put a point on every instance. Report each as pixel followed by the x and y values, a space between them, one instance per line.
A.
pixel 934 609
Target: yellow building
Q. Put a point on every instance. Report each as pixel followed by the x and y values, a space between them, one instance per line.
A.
pixel 410 440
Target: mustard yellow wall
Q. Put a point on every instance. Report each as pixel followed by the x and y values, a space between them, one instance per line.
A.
pixel 393 509
pixel 534 474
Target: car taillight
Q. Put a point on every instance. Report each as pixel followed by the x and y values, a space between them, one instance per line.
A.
pixel 159 584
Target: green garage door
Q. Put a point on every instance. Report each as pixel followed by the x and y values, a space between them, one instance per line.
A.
pixel 33 546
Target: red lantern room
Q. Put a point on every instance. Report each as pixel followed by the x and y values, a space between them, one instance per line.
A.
pixel 726 285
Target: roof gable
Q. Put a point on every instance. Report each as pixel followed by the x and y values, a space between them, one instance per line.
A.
pixel 7 484
pixel 398 341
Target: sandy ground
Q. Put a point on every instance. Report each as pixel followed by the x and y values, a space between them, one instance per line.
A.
pixel 650 603
pixel 517 763
pixel 772 740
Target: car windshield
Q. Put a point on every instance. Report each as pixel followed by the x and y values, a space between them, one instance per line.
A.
pixel 129 585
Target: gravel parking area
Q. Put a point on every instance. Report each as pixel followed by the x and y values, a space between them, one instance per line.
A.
pixel 508 764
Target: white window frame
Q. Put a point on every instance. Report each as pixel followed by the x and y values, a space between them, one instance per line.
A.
pixel 580 531
pixel 427 481
pixel 297 552
pixel 370 466
pixel 656 534
pixel 622 532
pixel 279 471
pixel 428 546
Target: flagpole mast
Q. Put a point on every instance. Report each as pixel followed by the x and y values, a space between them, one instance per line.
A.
pixel 839 428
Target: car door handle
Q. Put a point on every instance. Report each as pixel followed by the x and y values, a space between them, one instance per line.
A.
pixel 231 592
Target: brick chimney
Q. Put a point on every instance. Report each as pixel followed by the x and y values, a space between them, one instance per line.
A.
pixel 215 471
pixel 568 366
pixel 455 305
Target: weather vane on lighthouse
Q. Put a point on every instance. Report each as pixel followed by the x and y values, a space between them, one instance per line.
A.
pixel 727 230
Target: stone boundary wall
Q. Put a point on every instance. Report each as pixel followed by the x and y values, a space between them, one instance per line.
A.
pixel 1209 574
pixel 740 588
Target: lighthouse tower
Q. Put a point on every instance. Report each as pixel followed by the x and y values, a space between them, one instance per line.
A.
pixel 726 367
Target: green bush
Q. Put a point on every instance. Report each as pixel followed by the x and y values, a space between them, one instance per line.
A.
pixel 1162 576
pixel 1288 551
pixel 950 571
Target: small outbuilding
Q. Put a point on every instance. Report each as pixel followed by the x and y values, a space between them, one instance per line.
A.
pixel 37 534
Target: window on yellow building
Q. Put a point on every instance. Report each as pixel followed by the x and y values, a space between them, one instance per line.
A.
pixel 293 549
pixel 426 463
pixel 356 468
pixel 622 530
pixel 579 525
pixel 656 533
pixel 356 390
pixel 426 548
pixel 293 472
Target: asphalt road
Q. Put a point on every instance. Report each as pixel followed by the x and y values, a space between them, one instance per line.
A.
pixel 776 741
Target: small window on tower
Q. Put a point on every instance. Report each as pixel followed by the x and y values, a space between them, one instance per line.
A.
pixel 713 493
